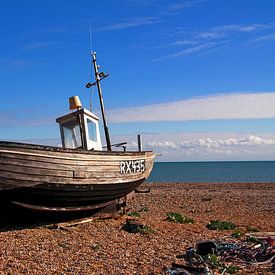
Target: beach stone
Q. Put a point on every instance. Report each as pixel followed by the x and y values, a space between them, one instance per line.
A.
pixel 133 226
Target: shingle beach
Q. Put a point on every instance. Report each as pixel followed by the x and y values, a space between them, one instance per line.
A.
pixel 104 247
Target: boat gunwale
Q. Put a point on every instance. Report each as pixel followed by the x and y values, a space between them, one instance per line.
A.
pixel 56 149
pixel 75 158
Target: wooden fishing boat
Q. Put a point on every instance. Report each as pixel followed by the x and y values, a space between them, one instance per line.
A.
pixel 52 177
pixel 78 176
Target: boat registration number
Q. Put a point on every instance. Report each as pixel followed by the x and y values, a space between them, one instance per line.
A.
pixel 132 166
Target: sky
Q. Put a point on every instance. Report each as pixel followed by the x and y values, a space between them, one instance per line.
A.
pixel 196 78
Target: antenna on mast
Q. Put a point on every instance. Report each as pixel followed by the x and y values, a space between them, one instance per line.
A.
pixel 91 41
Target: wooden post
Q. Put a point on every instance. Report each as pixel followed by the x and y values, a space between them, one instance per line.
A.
pixel 97 77
pixel 139 143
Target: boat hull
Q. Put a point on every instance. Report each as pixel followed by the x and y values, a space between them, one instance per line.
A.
pixel 56 177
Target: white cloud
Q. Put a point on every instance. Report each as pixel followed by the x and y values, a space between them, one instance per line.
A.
pixel 254 140
pixel 206 146
pixel 31 117
pixel 22 63
pixel 226 30
pixel 40 122
pixel 170 7
pixel 180 6
pixel 41 44
pixel 268 37
pixel 184 42
pixel 210 143
pixel 6 118
pixel 130 24
pixel 212 38
pixel 162 144
pixel 231 106
pixel 210 34
pixel 45 141
pixel 188 51
pixel 250 147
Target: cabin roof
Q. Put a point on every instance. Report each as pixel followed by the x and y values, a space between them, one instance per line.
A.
pixel 73 114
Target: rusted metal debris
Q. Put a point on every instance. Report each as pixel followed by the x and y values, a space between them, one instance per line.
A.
pixel 261 235
pixel 224 255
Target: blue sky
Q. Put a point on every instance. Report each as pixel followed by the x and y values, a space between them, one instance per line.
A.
pixel 194 77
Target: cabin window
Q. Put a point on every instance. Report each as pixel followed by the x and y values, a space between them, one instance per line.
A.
pixel 72 134
pixel 92 130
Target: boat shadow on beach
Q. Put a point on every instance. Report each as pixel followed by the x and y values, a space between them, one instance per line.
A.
pixel 13 218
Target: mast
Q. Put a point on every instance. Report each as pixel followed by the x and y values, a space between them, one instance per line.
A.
pixel 97 77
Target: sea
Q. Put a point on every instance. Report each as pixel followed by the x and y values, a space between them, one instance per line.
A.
pixel 222 171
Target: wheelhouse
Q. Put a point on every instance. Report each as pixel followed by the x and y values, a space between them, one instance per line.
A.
pixel 80 130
